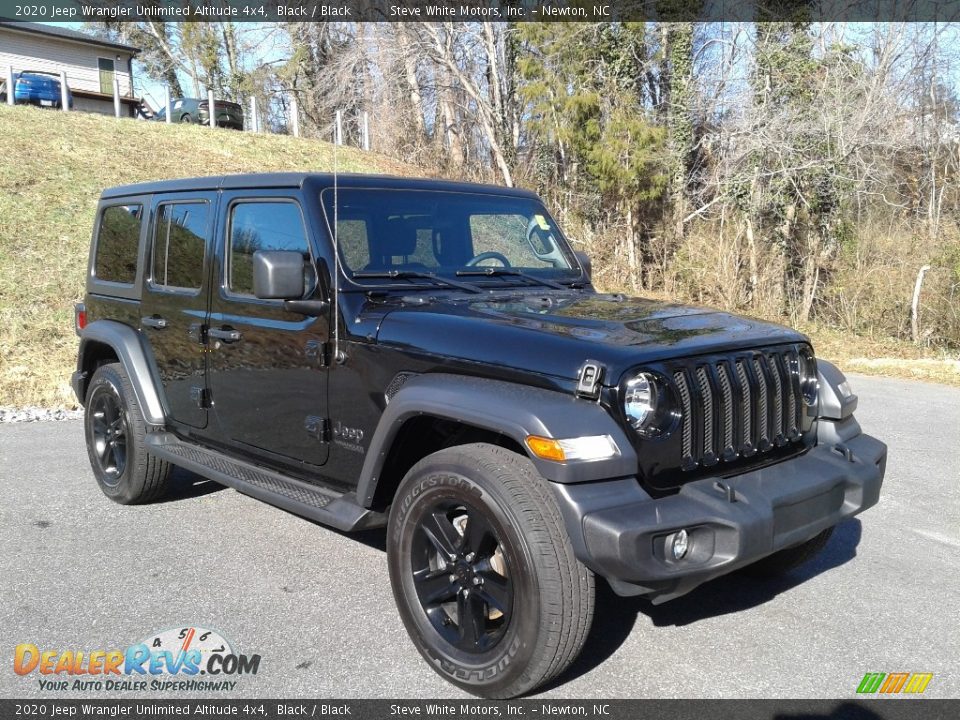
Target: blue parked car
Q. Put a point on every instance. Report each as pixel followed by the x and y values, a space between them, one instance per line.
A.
pixel 36 88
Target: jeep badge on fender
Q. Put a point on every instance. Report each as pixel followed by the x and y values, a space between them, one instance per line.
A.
pixel 432 357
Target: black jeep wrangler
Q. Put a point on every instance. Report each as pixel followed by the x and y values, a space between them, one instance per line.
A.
pixel 432 357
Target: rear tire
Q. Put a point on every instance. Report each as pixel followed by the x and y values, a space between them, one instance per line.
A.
pixel 483 571
pixel 185 118
pixel 115 430
pixel 785 560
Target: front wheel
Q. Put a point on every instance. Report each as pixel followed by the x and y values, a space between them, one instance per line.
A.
pixel 483 572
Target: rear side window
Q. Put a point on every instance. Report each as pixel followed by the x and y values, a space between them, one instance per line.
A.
pixel 178 245
pixel 261 226
pixel 118 243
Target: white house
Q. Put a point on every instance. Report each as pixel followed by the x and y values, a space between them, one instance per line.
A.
pixel 90 63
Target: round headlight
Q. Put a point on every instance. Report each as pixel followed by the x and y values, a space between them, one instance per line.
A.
pixel 807 371
pixel 649 405
pixel 640 400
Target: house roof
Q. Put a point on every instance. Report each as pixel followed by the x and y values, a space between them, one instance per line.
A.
pixel 65 34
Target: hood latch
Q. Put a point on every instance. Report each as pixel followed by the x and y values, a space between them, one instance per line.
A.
pixel 589 380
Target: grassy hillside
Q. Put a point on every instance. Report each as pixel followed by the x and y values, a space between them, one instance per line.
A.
pixel 52 168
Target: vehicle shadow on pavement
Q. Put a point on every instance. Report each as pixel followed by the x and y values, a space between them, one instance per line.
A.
pixel 615 617
pixel 185 485
pixel 375 538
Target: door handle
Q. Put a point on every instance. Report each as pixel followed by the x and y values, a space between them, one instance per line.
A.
pixel 225 334
pixel 157 323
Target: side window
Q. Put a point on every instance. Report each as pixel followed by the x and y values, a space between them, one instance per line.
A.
pixel 178 245
pixel 261 225
pixel 118 243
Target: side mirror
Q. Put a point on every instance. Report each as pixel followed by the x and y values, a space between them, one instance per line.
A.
pixel 278 275
pixel 585 262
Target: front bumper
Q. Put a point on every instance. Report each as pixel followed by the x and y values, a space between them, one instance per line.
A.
pixel 620 532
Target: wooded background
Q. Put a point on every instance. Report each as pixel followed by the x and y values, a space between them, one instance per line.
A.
pixel 799 171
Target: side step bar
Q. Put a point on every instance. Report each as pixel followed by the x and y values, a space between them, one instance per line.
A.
pixel 328 507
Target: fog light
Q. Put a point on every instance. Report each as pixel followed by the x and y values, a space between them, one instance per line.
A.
pixel 679 545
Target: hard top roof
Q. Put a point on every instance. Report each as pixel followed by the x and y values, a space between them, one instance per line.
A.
pixel 298 180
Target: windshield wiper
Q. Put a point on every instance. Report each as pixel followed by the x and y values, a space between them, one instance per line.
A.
pixel 415 275
pixel 508 272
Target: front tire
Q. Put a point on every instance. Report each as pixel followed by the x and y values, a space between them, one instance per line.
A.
pixel 483 572
pixel 115 430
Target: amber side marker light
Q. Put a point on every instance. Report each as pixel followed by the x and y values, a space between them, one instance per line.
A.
pixel 584 449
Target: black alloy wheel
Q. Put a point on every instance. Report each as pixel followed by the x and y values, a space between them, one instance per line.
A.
pixel 461 577
pixel 109 433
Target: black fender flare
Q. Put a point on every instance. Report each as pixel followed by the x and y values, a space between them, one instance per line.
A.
pixel 131 353
pixel 514 410
pixel 837 400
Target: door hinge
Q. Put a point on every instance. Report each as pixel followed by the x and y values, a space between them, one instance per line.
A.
pixel 317 352
pixel 317 427
pixel 201 397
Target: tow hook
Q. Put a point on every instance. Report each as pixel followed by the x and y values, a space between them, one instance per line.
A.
pixel 726 490
pixel 845 451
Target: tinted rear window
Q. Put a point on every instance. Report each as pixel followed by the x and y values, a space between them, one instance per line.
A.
pixel 178 246
pixel 118 243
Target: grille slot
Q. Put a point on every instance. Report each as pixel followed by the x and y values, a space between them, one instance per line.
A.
pixel 747 442
pixel 686 429
pixel 774 368
pixel 763 408
pixel 737 407
pixel 727 410
pixel 706 396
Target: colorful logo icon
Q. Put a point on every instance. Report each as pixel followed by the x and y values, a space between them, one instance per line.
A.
pixel 894 683
pixel 186 652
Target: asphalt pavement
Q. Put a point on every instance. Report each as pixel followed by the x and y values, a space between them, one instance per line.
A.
pixel 78 572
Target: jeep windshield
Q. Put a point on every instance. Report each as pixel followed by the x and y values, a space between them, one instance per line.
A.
pixel 386 235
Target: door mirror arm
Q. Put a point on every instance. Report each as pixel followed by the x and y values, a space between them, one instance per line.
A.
pixel 311 308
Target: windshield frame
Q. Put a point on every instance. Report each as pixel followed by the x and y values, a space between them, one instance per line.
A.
pixel 575 274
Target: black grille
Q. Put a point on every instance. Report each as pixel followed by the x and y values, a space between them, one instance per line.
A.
pixel 735 407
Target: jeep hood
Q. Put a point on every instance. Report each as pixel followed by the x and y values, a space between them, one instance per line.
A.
pixel 554 333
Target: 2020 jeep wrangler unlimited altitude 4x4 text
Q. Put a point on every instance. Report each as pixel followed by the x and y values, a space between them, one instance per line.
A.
pixel 451 373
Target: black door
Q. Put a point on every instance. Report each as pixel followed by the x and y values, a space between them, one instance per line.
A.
pixel 267 371
pixel 175 300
